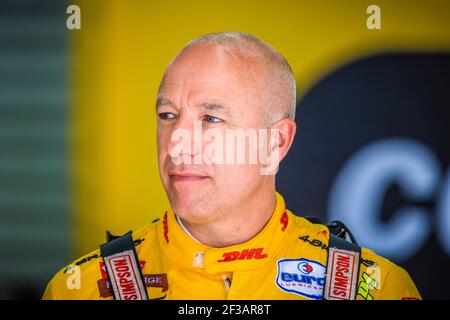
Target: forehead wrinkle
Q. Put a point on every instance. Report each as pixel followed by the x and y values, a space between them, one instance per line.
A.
pixel 201 93
pixel 216 83
pixel 211 105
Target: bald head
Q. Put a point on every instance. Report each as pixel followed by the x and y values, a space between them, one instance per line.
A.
pixel 265 68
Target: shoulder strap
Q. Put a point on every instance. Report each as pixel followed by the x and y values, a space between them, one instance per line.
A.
pixel 343 263
pixel 344 255
pixel 123 268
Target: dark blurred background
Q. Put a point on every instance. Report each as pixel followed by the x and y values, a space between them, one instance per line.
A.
pixel 375 154
pixel 34 233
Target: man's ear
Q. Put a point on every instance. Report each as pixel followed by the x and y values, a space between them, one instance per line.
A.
pixel 286 132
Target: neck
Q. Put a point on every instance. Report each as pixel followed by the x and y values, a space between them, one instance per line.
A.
pixel 239 225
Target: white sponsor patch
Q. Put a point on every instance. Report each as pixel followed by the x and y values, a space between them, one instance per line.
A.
pixel 198 261
pixel 301 276
pixel 342 274
pixel 124 274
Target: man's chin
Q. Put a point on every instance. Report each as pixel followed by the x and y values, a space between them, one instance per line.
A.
pixel 190 209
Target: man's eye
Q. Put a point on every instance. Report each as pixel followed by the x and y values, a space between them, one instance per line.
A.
pixel 212 119
pixel 166 116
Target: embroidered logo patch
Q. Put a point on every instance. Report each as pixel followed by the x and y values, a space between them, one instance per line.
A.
pixel 342 274
pixel 301 276
pixel 124 276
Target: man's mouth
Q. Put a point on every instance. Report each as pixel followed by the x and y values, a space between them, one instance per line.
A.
pixel 185 176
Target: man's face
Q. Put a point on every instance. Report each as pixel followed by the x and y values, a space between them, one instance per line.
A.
pixel 207 85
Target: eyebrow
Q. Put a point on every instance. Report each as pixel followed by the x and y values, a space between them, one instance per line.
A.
pixel 211 106
pixel 161 101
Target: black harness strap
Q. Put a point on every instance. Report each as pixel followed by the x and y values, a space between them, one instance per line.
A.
pixel 343 265
pixel 123 268
pixel 339 243
pixel 344 259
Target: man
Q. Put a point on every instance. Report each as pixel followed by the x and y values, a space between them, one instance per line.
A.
pixel 228 234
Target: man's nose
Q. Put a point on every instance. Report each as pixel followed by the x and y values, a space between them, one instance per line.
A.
pixel 186 140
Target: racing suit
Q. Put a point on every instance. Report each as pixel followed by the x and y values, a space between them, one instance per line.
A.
pixel 286 260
